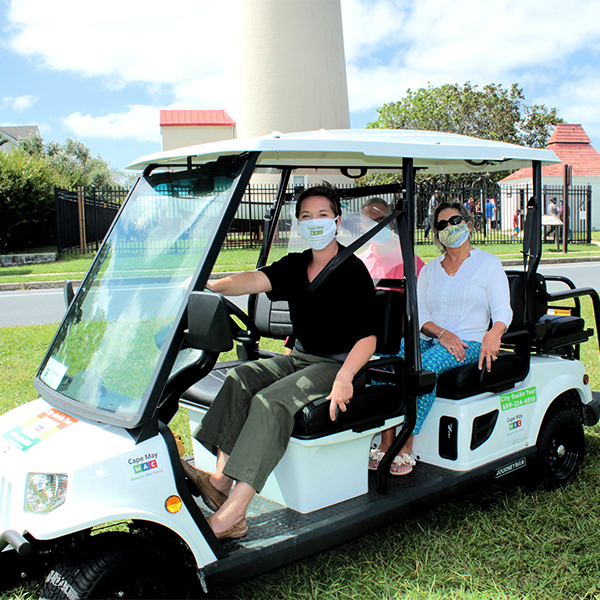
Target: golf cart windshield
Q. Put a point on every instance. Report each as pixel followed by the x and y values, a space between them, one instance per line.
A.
pixel 105 357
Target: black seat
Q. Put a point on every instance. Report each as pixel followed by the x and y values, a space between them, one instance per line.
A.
pixel 370 406
pixel 554 331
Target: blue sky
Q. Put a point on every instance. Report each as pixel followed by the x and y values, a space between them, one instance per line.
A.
pixel 102 73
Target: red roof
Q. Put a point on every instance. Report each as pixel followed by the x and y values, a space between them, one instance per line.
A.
pixel 198 118
pixel 571 144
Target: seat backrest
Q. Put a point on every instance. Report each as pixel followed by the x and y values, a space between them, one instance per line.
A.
pixel 273 319
pixel 518 300
pixel 516 284
pixel 389 307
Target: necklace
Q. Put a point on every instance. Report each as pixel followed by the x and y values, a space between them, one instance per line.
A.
pixel 452 272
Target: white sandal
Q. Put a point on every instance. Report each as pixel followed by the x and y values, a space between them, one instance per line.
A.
pixel 404 464
pixel 375 457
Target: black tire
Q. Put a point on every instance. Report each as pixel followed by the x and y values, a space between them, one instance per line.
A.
pixel 117 565
pixel 561 447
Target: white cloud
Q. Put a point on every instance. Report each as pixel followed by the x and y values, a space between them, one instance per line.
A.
pixel 500 41
pixel 140 123
pixel 578 96
pixel 179 48
pixel 18 103
pixel 371 26
pixel 133 41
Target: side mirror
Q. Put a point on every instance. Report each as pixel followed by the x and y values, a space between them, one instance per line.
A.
pixel 209 324
pixel 69 294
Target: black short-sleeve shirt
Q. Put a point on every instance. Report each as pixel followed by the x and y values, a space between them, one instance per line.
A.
pixel 334 317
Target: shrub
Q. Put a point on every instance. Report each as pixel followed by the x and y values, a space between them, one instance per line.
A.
pixel 27 213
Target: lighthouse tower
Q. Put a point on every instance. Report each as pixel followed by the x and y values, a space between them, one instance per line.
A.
pixel 286 71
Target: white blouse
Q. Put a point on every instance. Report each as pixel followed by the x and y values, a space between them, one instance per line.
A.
pixel 464 303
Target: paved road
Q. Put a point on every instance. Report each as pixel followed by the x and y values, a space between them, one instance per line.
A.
pixel 48 306
pixel 31 307
pixel 583 274
pixel 38 307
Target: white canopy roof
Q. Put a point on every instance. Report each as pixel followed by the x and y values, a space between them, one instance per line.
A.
pixel 377 149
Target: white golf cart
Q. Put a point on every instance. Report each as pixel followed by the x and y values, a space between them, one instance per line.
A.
pixel 92 490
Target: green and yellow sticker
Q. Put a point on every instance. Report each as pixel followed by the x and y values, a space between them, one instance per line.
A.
pixel 519 398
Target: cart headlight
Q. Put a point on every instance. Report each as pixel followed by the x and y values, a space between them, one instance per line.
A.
pixel 45 491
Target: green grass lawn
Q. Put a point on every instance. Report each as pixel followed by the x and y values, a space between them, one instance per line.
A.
pixel 74 266
pixel 506 542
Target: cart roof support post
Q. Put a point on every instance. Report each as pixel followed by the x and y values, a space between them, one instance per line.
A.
pixel 412 346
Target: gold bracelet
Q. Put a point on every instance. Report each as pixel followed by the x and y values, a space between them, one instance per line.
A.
pixel 442 332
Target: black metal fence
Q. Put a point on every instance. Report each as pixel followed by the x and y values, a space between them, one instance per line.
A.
pixel 499 210
pixel 578 222
pixel 85 215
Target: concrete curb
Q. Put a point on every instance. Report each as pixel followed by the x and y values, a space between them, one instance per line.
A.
pixel 47 285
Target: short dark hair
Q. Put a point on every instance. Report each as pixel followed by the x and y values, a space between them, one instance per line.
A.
pixel 464 213
pixel 327 191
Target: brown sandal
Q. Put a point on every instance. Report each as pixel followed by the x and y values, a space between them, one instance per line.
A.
pixel 200 480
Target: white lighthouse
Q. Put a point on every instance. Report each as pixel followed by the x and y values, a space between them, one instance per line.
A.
pixel 287 70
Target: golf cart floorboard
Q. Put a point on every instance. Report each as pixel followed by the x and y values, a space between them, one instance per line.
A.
pixel 278 535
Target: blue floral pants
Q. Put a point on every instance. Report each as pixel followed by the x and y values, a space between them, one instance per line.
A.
pixel 434 357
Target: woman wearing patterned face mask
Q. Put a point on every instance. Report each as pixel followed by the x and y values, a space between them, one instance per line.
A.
pixel 250 421
pixel 458 292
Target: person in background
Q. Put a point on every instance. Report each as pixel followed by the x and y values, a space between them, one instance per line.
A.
pixel 469 204
pixel 516 225
pixel 250 421
pixel 433 202
pixel 459 293
pixel 494 213
pixel 565 221
pixel 489 215
pixel 383 257
pixel 553 211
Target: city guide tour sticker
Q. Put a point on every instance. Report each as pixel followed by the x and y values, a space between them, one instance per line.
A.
pixel 38 428
pixel 518 398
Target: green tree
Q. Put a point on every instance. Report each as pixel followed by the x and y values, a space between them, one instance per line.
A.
pixel 74 163
pixel 28 175
pixel 27 213
pixel 492 113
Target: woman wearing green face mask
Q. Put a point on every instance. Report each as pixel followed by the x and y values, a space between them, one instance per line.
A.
pixel 458 292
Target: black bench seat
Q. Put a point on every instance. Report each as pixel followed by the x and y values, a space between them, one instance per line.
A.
pixel 369 407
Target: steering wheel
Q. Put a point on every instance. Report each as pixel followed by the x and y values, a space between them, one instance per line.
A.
pixel 251 334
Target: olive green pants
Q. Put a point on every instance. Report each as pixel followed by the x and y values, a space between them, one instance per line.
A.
pixel 252 417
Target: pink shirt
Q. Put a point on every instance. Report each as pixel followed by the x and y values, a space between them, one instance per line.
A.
pixel 387 266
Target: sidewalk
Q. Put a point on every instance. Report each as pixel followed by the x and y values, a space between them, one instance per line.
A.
pixel 41 285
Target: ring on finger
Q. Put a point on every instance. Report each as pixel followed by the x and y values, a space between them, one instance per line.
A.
pixel 494 358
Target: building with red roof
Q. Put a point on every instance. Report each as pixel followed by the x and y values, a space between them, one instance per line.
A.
pixel 573 147
pixel 181 128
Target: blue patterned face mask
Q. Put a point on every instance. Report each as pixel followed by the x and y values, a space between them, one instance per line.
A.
pixel 454 235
